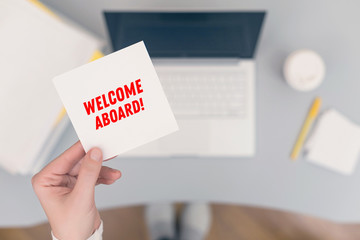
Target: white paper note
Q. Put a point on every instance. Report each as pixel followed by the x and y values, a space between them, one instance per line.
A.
pixel 117 102
pixel 335 143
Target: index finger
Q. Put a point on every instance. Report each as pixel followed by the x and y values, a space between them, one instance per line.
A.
pixel 67 160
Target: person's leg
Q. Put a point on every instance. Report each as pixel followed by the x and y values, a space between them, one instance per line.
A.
pixel 195 221
pixel 160 219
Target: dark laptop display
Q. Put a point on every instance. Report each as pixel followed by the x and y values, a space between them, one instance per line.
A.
pixel 187 34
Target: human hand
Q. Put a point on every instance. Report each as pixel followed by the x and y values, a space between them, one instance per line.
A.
pixel 66 187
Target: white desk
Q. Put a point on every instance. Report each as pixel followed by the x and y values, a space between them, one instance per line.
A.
pixel 269 179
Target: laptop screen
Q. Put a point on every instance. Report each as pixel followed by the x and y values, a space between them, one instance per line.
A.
pixel 187 34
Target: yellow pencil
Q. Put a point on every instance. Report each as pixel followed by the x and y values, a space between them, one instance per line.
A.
pixel 306 127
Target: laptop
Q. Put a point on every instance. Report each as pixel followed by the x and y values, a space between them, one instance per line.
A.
pixel 205 62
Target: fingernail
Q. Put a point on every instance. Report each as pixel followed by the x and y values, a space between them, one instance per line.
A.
pixel 95 155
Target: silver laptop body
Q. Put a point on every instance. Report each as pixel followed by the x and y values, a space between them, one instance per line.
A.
pixel 205 64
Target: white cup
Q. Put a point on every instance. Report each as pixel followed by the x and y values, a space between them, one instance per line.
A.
pixel 304 70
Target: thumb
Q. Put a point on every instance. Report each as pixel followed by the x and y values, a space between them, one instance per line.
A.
pixel 89 172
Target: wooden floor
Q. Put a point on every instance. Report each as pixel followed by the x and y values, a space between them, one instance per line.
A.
pixel 229 223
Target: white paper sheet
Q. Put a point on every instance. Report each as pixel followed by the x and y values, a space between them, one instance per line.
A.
pixel 34 47
pixel 105 81
pixel 335 143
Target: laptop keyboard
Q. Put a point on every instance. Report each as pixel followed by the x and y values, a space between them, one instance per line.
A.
pixel 210 94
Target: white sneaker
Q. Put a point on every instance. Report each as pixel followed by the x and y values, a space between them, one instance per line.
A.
pixel 195 221
pixel 160 219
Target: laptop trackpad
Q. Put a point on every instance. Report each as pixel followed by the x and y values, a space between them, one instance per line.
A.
pixel 191 139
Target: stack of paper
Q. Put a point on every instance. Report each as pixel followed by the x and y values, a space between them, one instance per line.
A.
pixel 335 143
pixel 34 47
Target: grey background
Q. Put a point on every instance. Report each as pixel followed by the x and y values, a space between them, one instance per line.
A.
pixel 269 179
